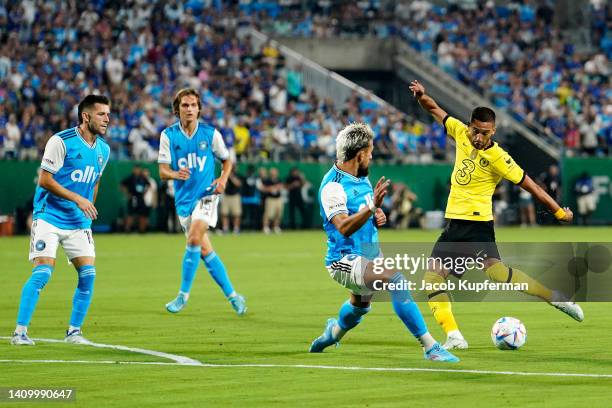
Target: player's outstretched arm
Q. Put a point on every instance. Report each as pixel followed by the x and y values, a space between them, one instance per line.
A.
pixel 166 173
pixel 427 102
pixel 562 214
pixel 348 224
pixel 47 182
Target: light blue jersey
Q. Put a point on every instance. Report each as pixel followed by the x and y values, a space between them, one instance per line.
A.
pixel 76 166
pixel 197 153
pixel 343 193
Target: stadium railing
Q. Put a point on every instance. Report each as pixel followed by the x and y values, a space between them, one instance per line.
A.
pixel 326 83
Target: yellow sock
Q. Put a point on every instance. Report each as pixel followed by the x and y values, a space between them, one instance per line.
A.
pixel 440 304
pixel 501 273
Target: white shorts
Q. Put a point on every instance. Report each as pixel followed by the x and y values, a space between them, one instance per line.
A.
pixel 350 273
pixel 205 210
pixel 45 238
pixel 586 203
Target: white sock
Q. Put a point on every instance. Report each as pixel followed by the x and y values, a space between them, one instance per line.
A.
pixel 21 329
pixel 427 341
pixel 337 332
pixel 185 295
pixel 71 328
pixel 231 295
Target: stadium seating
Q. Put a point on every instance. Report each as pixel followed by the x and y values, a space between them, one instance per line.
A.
pixel 513 54
pixel 140 53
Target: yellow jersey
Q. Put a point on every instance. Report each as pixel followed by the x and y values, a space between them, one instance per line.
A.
pixel 476 174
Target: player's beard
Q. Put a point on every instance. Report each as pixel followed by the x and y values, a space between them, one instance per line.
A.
pixel 363 171
pixel 95 130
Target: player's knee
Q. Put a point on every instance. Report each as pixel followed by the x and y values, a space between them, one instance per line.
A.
pixel 434 284
pixel 194 240
pixel 40 276
pixel 499 272
pixel 87 276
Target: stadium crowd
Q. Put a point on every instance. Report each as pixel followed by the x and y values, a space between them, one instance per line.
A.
pixel 512 53
pixel 140 52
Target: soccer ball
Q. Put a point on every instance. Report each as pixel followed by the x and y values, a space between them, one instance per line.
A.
pixel 508 333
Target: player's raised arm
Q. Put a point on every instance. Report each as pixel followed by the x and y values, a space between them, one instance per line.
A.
pixel 561 214
pixel 427 102
pixel 348 224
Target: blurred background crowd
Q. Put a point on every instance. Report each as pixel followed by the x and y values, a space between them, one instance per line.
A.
pixel 140 52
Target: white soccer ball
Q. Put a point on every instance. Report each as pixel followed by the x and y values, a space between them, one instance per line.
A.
pixel 508 333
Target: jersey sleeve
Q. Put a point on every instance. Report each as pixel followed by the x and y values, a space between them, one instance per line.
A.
pixel 55 152
pixel 218 146
pixel 453 126
pixel 106 159
pixel 333 200
pixel 506 167
pixel 164 149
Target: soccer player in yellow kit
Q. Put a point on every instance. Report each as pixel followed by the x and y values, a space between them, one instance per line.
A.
pixel 480 164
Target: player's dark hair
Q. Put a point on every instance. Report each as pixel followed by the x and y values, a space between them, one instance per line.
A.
pixel 184 92
pixel 88 102
pixel 483 114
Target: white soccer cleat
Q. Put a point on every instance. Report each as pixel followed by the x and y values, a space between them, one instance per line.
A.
pixel 75 337
pixel 562 302
pixel 21 340
pixel 455 342
pixel 571 309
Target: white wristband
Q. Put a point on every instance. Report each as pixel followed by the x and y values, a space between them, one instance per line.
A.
pixel 372 207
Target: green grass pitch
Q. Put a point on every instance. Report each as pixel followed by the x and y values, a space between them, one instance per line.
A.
pixel 290 296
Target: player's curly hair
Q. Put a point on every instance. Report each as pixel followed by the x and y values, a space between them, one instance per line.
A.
pixel 184 92
pixel 352 139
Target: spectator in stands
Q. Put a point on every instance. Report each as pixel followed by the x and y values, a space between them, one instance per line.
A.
pixel 134 187
pixel 273 187
pixel 402 206
pixel 586 198
pixel 12 138
pixel 231 204
pixel 242 137
pixel 527 209
pixel 150 197
pixel 251 199
pixel 551 182
pixel 167 212
pixel 294 183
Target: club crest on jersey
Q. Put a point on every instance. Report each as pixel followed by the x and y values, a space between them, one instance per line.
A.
pixel 192 161
pixel 86 176
pixel 100 159
pixel 484 162
pixel 203 145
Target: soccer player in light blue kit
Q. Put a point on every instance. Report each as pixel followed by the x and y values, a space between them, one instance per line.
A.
pixel 187 152
pixel 351 214
pixel 71 168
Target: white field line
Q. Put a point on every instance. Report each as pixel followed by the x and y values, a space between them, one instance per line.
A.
pixel 185 361
pixel 178 359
